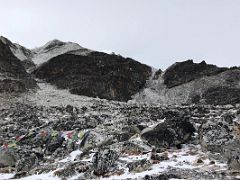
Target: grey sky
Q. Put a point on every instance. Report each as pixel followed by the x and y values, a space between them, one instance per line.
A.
pixel 155 32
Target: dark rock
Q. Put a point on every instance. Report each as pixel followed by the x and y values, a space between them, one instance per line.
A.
pixel 27 163
pixel 222 95
pixel 157 74
pixel 162 177
pixel 156 157
pixel 14 77
pixel 96 75
pixel 169 133
pixel 7 159
pixel 183 72
pixel 139 166
pixel 72 169
pixel 217 133
pixel 103 161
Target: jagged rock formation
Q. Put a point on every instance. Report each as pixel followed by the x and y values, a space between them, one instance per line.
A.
pixel 208 85
pixel 13 77
pixel 183 72
pixel 96 75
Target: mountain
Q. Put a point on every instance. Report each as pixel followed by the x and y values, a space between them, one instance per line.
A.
pixel 54 48
pixel 97 74
pixel 75 113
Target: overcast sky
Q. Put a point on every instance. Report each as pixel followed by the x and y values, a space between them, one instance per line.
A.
pixel 154 32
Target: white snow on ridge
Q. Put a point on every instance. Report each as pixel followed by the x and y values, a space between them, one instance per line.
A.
pixel 54 48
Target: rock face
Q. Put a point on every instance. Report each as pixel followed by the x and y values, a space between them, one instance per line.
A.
pixel 186 71
pixel 198 83
pixel 13 77
pixel 96 75
pixel 170 133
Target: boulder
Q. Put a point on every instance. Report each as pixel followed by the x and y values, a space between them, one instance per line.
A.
pixel 222 136
pixel 27 163
pixel 183 72
pixel 217 133
pixel 97 74
pixel 139 166
pixel 7 159
pixel 104 160
pixel 170 133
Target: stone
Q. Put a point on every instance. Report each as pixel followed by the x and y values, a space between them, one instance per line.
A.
pixel 169 133
pixel 27 163
pixel 139 166
pixel 7 159
pixel 103 161
pixel 221 95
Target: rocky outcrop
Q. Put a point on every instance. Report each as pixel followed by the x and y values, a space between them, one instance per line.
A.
pixel 221 86
pixel 23 54
pixel 186 71
pixel 13 77
pixel 98 74
pixel 170 133
pixel 103 161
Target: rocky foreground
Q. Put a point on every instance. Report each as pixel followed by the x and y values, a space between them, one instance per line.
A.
pixel 183 123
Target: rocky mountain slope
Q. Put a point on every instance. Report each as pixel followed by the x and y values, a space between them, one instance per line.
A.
pixel 13 76
pixel 92 115
pixel 188 82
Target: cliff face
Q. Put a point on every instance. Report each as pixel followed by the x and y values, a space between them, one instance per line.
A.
pixel 96 75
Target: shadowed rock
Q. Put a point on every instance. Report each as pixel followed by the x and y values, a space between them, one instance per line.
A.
pixel 98 74
pixel 13 76
pixel 170 133
pixel 183 72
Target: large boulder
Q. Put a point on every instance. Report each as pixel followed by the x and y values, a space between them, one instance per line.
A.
pixel 172 132
pixel 183 72
pixel 104 160
pixel 13 76
pixel 222 136
pixel 97 74
pixel 7 159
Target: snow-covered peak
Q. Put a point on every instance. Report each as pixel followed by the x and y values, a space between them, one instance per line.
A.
pixel 54 48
